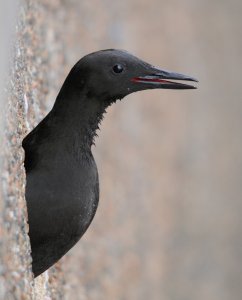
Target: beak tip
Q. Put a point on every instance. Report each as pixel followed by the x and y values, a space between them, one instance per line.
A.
pixel 191 87
pixel 189 79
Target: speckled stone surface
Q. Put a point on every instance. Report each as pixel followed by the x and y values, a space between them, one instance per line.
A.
pixel 27 89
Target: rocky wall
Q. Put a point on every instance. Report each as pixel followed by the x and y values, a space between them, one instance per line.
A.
pixel 28 85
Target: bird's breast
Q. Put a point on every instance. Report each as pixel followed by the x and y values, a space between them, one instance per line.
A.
pixel 62 199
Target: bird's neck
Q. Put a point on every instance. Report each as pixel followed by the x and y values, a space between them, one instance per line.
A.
pixel 77 117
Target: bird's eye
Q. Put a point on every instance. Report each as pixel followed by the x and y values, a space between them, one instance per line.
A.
pixel 118 68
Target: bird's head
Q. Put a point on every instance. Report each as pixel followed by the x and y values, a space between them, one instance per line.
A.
pixel 113 74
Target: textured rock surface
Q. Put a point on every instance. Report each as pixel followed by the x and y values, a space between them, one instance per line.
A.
pixel 27 92
pixel 168 225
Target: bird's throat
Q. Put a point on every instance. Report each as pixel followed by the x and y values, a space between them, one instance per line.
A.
pixel 79 117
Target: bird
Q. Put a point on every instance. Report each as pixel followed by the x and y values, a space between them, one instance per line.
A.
pixel 62 185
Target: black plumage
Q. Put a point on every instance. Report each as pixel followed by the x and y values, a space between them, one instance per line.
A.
pixel 62 190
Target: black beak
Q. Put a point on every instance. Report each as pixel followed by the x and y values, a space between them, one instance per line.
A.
pixel 158 79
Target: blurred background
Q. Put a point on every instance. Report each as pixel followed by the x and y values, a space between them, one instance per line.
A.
pixel 169 222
